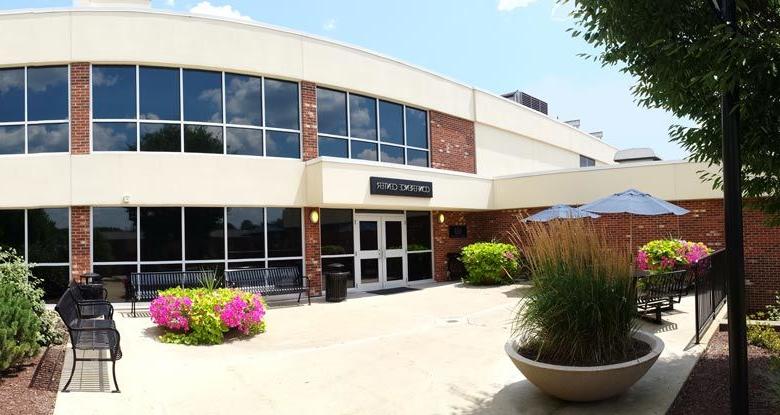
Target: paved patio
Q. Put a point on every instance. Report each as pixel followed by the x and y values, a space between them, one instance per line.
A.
pixel 438 350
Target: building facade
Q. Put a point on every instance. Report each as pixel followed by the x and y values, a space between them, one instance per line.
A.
pixel 137 140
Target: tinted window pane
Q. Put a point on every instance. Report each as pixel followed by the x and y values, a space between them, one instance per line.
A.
pixel 12 230
pixel 204 229
pixel 160 267
pixel 282 144
pixel 364 151
pixel 417 158
pixel 331 112
pixel 12 139
pixel 47 93
pixel 47 138
pixel 243 100
pixel 160 137
pixel 202 139
pixel 336 230
pixel 347 262
pixel 246 265
pixel 284 232
pixel 416 128
pixel 362 117
pixel 113 92
pixel 281 104
pixel 245 233
pixel 369 235
pixel 202 96
pixel 219 267
pixel 333 147
pixel 391 122
pixel 245 141
pixel 114 234
pixel 419 266
pixel 48 235
pixel 587 162
pixel 116 280
pixel 11 95
pixel 54 281
pixel 392 154
pixel 297 263
pixel 418 231
pixel 113 136
pixel 393 234
pixel 160 234
pixel 159 93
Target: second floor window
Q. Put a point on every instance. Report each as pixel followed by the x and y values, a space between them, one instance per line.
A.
pixel 587 162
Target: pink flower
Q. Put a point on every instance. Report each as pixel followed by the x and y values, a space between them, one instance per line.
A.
pixel 642 261
pixel 171 312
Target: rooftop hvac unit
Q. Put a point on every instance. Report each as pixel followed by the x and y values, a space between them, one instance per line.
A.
pixel 527 101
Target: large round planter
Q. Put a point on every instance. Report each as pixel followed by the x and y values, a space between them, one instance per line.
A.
pixel 590 383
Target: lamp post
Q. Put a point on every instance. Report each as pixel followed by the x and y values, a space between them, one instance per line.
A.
pixel 732 206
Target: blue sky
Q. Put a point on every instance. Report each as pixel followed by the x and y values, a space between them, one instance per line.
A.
pixel 496 45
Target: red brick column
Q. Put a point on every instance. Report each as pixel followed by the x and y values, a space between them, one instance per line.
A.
pixel 79 108
pixel 309 118
pixel 81 260
pixel 452 143
pixel 443 244
pixel 312 252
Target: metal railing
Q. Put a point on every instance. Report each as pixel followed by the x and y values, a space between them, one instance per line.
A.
pixel 709 278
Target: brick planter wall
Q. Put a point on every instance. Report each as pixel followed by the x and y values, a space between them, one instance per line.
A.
pixel 452 143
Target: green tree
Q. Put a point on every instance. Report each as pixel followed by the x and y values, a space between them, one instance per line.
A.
pixel 683 56
pixel 19 326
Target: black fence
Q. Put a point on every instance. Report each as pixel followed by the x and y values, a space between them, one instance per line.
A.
pixel 709 277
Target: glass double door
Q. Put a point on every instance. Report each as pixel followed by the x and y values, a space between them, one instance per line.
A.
pixel 380 255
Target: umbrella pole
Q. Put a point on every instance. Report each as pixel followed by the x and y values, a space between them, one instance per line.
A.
pixel 631 232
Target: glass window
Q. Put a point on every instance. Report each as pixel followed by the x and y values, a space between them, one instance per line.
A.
pixel 331 112
pixel 159 93
pixel 48 138
pixel 362 117
pixel 204 230
pixel 160 137
pixel 364 151
pixel 587 162
pixel 160 233
pixel 12 230
pixel 203 139
pixel 369 235
pixel 418 231
pixel 246 237
pixel 48 235
pixel 419 266
pixel 54 280
pixel 12 95
pixel 284 232
pixel 281 104
pixel 245 141
pixel 114 136
pixel 282 144
pixel 113 92
pixel 114 236
pixel 12 139
pixel 219 267
pixel 333 147
pixel 297 263
pixel 202 96
pixel 116 280
pixel 243 100
pixel 391 121
pixel 416 128
pixel 246 265
pixel 336 231
pixel 417 158
pixel 392 154
pixel 47 93
pixel 161 267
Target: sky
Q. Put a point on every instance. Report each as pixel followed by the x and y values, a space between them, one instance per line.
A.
pixel 495 45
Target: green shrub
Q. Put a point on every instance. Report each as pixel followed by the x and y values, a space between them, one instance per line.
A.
pixel 764 336
pixel 489 263
pixel 19 326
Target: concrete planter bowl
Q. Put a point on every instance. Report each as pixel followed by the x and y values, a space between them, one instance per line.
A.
pixel 590 383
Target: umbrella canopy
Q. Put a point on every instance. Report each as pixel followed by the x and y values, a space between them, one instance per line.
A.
pixel 560 212
pixel 635 202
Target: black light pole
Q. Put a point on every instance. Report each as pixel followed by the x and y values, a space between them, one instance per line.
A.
pixel 732 201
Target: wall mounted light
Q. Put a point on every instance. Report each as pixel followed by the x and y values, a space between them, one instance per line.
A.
pixel 314 216
pixel 441 218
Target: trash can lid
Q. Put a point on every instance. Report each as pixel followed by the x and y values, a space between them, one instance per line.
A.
pixel 336 267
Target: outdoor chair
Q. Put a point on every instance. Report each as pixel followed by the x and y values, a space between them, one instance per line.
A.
pixel 657 293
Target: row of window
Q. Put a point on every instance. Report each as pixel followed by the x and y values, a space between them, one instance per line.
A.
pixel 34 110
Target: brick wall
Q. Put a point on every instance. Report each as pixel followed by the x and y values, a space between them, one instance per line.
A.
pixel 79 108
pixel 452 143
pixel 81 260
pixel 309 118
pixel 312 252
pixel 443 244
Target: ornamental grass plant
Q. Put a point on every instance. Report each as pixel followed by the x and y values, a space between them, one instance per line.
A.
pixel 581 309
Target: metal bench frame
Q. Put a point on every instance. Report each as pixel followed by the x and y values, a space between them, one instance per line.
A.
pixel 659 292
pixel 269 281
pixel 145 286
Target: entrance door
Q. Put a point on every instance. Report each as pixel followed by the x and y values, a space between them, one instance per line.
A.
pixel 380 255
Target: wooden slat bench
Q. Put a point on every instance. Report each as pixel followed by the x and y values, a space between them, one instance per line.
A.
pixel 657 293
pixel 145 286
pixel 269 281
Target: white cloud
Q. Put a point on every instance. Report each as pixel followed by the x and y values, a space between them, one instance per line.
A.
pixel 227 10
pixel 329 25
pixel 170 2
pixel 509 5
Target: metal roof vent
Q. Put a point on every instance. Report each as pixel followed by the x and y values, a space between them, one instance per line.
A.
pixel 527 101
pixel 146 4
pixel 636 155
pixel 598 134
pixel 573 123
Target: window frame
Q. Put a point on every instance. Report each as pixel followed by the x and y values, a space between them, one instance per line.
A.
pixel 588 161
pixel 25 254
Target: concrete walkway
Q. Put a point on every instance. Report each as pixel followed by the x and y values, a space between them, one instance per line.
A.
pixel 438 350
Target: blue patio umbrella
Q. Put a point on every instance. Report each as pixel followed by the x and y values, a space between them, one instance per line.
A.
pixel 560 212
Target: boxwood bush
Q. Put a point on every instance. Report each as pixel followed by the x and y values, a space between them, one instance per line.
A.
pixel 489 263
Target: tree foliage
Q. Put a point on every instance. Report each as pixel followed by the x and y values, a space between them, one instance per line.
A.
pixel 683 57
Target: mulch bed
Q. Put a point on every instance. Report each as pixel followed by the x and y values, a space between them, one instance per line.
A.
pixel 706 391
pixel 31 388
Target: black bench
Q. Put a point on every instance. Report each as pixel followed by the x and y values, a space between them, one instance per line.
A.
pixel 145 286
pixel 91 300
pixel 88 334
pixel 656 293
pixel 269 281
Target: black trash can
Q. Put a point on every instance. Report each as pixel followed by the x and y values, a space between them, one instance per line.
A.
pixel 92 286
pixel 336 277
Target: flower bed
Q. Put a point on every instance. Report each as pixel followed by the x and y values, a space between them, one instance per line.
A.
pixel 202 316
pixel 664 255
